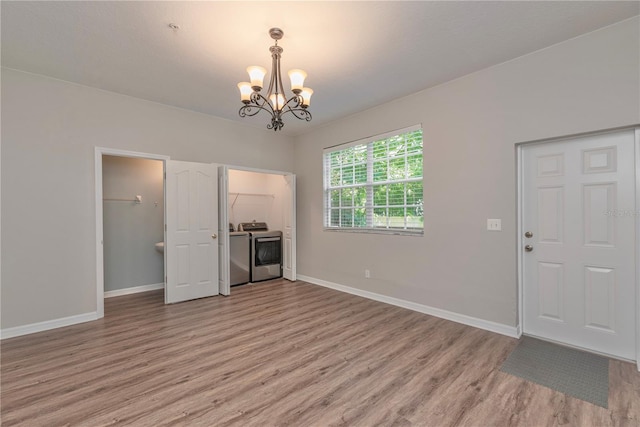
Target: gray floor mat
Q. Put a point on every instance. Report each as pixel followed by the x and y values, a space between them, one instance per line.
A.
pixel 574 372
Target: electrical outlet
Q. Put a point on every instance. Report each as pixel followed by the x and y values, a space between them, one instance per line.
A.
pixel 367 273
pixel 494 224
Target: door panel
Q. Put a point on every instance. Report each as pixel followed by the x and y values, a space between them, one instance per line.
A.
pixel 579 278
pixel 182 265
pixel 191 248
pixel 600 286
pixel 551 218
pixel 551 279
pixel 181 196
pixel 598 228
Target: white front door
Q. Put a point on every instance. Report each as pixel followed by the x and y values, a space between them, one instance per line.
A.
pixel 289 256
pixel 578 199
pixel 192 227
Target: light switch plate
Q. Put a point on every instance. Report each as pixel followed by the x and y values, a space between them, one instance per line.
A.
pixel 494 224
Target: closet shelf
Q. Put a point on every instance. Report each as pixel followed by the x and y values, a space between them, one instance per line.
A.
pixel 273 196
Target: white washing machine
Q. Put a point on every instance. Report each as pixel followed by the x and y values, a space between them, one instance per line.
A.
pixel 239 257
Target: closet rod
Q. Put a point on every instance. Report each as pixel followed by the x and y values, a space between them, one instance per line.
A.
pixel 254 194
pixel 233 204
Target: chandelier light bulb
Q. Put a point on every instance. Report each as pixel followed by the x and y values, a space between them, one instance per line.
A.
pixel 277 101
pixel 297 80
pixel 256 74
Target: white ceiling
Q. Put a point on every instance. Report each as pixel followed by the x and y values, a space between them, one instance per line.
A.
pixel 357 54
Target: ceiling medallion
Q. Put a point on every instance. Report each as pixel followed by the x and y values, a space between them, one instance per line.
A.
pixel 275 102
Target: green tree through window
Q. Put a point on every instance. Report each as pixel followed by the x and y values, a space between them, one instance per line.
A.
pixel 376 184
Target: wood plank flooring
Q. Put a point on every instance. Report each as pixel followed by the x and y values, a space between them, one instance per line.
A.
pixel 282 354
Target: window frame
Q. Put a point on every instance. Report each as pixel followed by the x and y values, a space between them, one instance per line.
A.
pixel 369 207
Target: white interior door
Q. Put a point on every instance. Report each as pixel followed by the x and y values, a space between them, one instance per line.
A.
pixel 579 272
pixel 223 230
pixel 192 225
pixel 289 249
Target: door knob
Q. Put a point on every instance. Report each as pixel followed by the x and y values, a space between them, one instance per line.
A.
pixel 528 248
pixel 528 234
pixel 214 236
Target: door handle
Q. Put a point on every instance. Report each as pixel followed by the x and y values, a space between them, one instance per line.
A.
pixel 528 234
pixel 528 248
pixel 214 236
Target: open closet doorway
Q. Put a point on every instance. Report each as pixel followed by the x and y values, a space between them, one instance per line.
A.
pixel 263 203
pixel 130 218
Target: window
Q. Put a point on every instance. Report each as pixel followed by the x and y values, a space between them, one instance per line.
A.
pixel 375 184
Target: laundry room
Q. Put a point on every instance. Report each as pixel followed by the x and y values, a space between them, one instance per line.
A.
pixel 257 212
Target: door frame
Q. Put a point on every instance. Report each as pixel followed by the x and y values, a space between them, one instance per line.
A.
pixel 519 220
pixel 99 152
pixel 270 172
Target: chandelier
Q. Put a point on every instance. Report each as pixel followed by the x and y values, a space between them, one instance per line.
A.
pixel 275 102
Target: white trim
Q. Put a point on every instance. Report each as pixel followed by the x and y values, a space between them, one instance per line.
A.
pixel 224 279
pixel 293 213
pixel 519 241
pixel 47 325
pixel 487 325
pixel 256 170
pixel 98 153
pixel 637 170
pixel 367 139
pixel 387 231
pixel 99 234
pixel 576 347
pixel 133 290
pixel 576 135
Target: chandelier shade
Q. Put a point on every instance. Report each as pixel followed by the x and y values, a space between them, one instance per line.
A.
pixel 245 91
pixel 275 102
pixel 256 74
pixel 297 80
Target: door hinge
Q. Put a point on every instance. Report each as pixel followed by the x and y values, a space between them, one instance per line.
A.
pixel 165 227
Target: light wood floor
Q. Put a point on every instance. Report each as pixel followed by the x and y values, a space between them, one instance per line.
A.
pixel 282 353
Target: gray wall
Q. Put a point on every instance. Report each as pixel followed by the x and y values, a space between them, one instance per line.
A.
pixel 471 126
pixel 246 208
pixel 131 229
pixel 49 131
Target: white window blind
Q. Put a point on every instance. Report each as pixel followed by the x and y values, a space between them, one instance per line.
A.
pixel 375 184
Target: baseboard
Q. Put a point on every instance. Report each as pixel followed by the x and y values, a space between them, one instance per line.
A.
pixel 133 290
pixel 47 325
pixel 510 331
